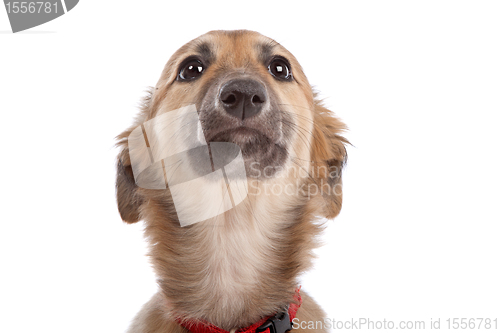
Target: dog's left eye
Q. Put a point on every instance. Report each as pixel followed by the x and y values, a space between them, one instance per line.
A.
pixel 280 69
pixel 191 70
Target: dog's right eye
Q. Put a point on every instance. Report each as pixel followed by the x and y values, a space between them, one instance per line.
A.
pixel 191 70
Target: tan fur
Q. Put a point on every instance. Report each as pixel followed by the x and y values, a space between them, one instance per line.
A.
pixel 242 265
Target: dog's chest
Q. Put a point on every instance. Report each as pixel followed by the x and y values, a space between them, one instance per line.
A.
pixel 236 257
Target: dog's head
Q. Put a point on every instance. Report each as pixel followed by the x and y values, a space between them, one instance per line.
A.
pixel 250 91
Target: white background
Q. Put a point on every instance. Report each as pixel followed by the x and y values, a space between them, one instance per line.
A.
pixel 418 84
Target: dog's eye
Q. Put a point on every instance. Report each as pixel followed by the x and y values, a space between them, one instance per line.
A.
pixel 191 70
pixel 280 69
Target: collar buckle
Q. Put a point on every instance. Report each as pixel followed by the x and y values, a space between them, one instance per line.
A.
pixel 279 323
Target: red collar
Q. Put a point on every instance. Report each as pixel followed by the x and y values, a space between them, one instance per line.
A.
pixel 278 323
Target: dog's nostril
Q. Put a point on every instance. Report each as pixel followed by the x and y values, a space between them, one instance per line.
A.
pixel 230 99
pixel 256 99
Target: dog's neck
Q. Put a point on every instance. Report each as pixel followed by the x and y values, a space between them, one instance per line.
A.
pixel 235 268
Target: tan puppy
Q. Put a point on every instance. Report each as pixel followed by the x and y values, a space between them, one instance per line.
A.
pixel 236 268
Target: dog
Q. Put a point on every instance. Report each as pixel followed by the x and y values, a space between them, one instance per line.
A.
pixel 237 269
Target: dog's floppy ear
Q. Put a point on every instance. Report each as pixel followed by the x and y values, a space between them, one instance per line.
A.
pixel 127 198
pixel 328 155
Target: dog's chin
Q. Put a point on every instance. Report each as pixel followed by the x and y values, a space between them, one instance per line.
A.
pixel 263 158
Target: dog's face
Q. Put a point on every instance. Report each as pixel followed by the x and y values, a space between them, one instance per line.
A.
pixel 250 91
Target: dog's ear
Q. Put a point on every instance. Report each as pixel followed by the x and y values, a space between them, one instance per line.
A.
pixel 127 198
pixel 328 155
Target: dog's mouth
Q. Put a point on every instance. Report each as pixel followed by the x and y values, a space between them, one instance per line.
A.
pixel 258 150
pixel 236 135
pixel 252 142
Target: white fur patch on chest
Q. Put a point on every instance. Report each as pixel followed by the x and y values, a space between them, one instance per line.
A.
pixel 238 245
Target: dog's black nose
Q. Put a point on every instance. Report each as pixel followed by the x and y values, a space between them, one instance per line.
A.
pixel 243 98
